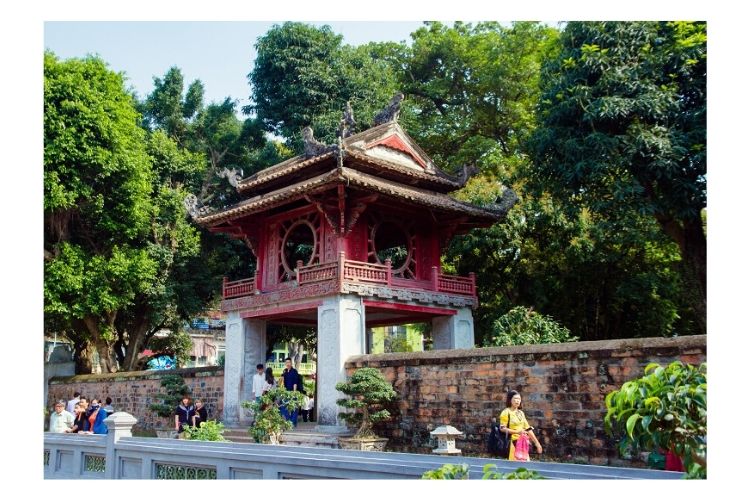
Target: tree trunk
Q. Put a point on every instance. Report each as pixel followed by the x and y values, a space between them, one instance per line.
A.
pixel 691 240
pixel 694 253
pixel 137 337
pixel 84 355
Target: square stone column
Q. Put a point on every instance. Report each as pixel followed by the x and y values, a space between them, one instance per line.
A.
pixel 341 334
pixel 245 348
pixel 454 332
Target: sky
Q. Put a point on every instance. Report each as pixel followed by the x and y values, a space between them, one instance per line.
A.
pixel 220 54
pixel 24 33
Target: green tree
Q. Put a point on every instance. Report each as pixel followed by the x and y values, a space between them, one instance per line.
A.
pixel 522 325
pixel 97 205
pixel 666 409
pixel 167 109
pixel 623 126
pixel 303 76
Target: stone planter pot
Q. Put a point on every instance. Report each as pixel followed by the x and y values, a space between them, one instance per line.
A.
pixel 166 433
pixel 363 444
pixel 274 438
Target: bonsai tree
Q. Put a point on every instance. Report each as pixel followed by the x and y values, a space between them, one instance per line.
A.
pixel 174 390
pixel 269 424
pixel 368 392
pixel 665 409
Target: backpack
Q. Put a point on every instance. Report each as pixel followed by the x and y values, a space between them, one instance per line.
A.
pixel 498 442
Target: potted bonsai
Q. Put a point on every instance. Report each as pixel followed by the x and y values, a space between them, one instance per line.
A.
pixel 174 390
pixel 269 424
pixel 368 392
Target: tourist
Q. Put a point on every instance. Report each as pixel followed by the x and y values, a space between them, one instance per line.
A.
pixel 79 424
pixel 72 403
pixel 201 414
pixel 307 408
pixel 183 415
pixel 108 407
pixel 513 421
pixel 95 415
pixel 259 382
pixel 270 381
pixel 61 420
pixel 291 382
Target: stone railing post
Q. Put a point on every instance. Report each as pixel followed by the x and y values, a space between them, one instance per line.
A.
pixel 388 271
pixel 299 264
pixel 119 425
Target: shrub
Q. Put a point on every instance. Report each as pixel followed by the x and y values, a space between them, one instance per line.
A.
pixel 461 471
pixel 206 431
pixel 522 325
pixel 663 410
pixel 368 391
pixel 268 419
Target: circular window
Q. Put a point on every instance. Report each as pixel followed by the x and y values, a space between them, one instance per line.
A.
pixel 391 241
pixel 298 244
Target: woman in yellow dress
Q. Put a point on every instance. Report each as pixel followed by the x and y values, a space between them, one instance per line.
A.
pixel 513 421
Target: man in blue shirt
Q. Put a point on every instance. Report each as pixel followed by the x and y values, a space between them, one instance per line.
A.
pixel 291 379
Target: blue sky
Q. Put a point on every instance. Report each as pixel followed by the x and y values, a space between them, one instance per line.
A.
pixel 220 54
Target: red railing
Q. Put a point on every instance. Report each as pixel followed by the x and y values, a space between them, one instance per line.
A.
pixel 366 272
pixel 317 272
pixel 362 272
pixel 241 288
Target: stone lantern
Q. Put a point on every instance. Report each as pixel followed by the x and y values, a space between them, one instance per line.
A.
pixel 446 436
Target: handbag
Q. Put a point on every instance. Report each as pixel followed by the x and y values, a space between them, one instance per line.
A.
pixel 521 452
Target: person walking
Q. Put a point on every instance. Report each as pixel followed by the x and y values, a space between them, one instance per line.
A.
pixel 291 381
pixel 183 415
pixel 513 421
pixel 70 408
pixel 259 381
pixel 60 420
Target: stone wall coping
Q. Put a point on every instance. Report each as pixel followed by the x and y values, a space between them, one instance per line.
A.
pixel 594 349
pixel 203 371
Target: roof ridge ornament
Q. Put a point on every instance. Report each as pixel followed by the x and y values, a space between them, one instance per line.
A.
pixel 390 112
pixel 347 123
pixel 233 176
pixel 503 203
pixel 314 147
pixel 195 207
pixel 466 173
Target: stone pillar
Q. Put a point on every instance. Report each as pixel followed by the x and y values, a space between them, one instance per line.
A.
pixel 454 332
pixel 119 425
pixel 341 334
pixel 245 347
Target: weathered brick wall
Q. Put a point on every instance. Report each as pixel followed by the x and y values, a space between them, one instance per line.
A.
pixel 563 388
pixel 133 392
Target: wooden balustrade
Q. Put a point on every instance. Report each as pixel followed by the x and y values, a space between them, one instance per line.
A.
pixel 361 272
pixel 239 288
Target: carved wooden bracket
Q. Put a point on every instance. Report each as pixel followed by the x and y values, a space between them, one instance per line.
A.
pixel 340 214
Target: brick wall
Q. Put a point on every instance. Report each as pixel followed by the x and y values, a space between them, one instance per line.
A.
pixel 563 388
pixel 133 392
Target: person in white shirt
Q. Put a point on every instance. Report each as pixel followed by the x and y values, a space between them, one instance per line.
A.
pixel 72 403
pixel 61 421
pixel 270 382
pixel 259 381
pixel 307 408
